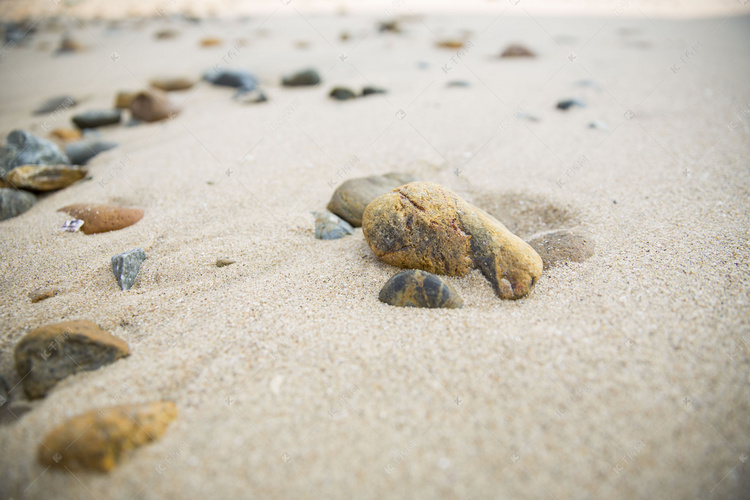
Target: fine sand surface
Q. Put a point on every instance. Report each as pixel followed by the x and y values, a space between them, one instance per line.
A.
pixel 625 376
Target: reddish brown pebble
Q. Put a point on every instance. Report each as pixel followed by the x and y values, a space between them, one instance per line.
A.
pixel 103 218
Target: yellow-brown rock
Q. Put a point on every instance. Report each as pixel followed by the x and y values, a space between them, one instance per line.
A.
pixel 103 218
pixel 44 177
pixel 99 439
pixel 426 226
pixel 48 354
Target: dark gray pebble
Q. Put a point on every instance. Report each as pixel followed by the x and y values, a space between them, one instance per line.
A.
pixel 97 118
pixel 301 78
pixel 415 288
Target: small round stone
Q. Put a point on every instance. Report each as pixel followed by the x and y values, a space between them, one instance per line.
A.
pixel 152 105
pixel 342 94
pixel 301 78
pixel 415 288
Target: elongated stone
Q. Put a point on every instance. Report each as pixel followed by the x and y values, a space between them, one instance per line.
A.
pixel 45 177
pixel 426 226
pixel 103 218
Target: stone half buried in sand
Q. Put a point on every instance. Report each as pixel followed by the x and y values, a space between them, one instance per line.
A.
pixel 103 218
pixel 48 354
pixel 426 226
pixel 350 198
pixel 44 177
pixel 415 288
pixel 99 439
pixel 125 267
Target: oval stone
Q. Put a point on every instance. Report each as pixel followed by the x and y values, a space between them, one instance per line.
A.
pixel 414 288
pixel 103 218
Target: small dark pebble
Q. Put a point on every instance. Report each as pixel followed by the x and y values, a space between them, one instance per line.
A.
pixel 223 262
pixel 61 103
pixel 342 94
pixel 458 83
pixel 369 90
pixel 301 78
pixel 239 79
pixel 415 288
pixel 97 118
pixel 569 103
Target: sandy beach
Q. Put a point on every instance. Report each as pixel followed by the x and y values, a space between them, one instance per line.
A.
pixel 624 376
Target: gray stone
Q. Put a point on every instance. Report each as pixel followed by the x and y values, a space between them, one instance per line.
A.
pixel 350 198
pixel 14 202
pixel 23 148
pixel 370 90
pixel 97 118
pixel 82 151
pixel 301 78
pixel 569 103
pixel 330 227
pixel 61 103
pixel 242 80
pixel 414 288
pixel 342 94
pixel 125 267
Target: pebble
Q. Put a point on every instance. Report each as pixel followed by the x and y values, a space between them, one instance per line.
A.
pixel 449 44
pixel 152 105
pixel 458 83
pixel 53 104
pixel 23 148
pixel 97 118
pixel 172 83
pixel 301 78
pixel 224 262
pixel 415 288
pixel 80 152
pixel 598 125
pixel 103 218
pixel 66 134
pixel 166 34
pixel 70 44
pixel 392 26
pixel 330 227
pixel 125 267
pixel 123 99
pixel 44 177
pixel 239 79
pixel 99 439
pixel 350 198
pixel 569 103
pixel 48 354
pixel 562 246
pixel 370 90
pixel 41 294
pixel 426 226
pixel 342 94
pixel 516 50
pixel 211 41
pixel 14 202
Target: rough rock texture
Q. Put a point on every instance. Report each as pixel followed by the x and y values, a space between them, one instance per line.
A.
pixel 97 118
pixel 126 265
pixel 14 202
pixel 350 198
pixel 562 246
pixel 48 354
pixel 330 227
pixel 414 288
pixel 23 148
pixel 152 105
pixel 44 177
pixel 99 439
pixel 426 226
pixel 103 218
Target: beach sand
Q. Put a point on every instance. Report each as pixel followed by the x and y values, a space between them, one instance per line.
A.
pixel 624 376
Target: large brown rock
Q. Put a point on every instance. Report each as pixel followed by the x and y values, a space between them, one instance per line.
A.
pixel 48 354
pixel 426 226
pixel 99 439
pixel 103 218
pixel 350 198
pixel 45 177
pixel 152 105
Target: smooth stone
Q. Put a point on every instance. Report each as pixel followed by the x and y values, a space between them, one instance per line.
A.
pixel 342 94
pixel 103 218
pixel 80 152
pixel 516 50
pixel 569 103
pixel 301 78
pixel 224 262
pixel 392 26
pixel 99 439
pixel 123 99
pixel 562 246
pixel 370 90
pixel 426 226
pixel 44 177
pixel 152 105
pixel 166 34
pixel 125 267
pixel 48 354
pixel 330 227
pixel 449 44
pixel 97 118
pixel 41 294
pixel 62 102
pixel 458 83
pixel 23 148
pixel 350 198
pixel 415 288
pixel 70 44
pixel 14 202
pixel 239 79
pixel 211 41
pixel 66 134
pixel 172 83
